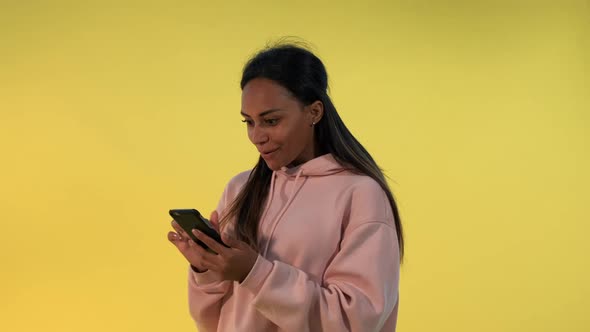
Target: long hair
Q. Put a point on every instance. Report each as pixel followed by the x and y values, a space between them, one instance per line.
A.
pixel 304 75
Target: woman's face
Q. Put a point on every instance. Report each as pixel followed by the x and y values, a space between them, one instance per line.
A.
pixel 278 124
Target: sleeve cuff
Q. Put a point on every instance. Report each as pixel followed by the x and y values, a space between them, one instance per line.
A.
pixel 257 275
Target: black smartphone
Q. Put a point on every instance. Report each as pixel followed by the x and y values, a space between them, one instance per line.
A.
pixel 190 219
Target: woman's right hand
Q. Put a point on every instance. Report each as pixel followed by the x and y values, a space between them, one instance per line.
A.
pixel 194 253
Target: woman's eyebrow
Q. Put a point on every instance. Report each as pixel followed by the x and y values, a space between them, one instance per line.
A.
pixel 263 113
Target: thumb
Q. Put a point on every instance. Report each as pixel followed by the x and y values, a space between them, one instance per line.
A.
pixel 214 219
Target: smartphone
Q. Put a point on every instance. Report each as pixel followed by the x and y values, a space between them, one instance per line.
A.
pixel 190 219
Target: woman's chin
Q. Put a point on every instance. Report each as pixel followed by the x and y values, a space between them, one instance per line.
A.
pixel 276 161
pixel 273 165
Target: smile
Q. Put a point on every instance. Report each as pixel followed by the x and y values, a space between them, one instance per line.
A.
pixel 268 154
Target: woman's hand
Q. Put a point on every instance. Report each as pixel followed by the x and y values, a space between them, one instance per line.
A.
pixel 233 263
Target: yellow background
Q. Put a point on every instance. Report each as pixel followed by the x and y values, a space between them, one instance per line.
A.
pixel 113 112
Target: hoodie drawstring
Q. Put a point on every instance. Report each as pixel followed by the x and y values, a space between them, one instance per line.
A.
pixel 292 195
pixel 270 194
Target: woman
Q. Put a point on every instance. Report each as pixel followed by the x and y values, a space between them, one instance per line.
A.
pixel 314 234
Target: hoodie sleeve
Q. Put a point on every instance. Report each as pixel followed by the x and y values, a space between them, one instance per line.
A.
pixel 206 290
pixel 205 295
pixel 358 292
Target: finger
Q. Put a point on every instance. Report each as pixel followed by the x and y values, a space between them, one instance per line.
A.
pixel 176 238
pixel 172 237
pixel 228 239
pixel 232 242
pixel 179 230
pixel 177 241
pixel 214 219
pixel 205 257
pixel 200 250
pixel 218 248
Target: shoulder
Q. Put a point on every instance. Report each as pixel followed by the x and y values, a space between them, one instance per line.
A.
pixel 363 187
pixel 239 179
pixel 365 184
pixel 368 201
pixel 236 183
pixel 232 189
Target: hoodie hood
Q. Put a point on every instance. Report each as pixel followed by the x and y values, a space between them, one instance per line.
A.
pixel 320 166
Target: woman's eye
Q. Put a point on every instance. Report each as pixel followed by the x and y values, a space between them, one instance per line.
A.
pixel 271 122
pixel 248 122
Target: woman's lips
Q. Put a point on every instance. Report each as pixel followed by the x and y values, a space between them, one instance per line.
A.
pixel 268 154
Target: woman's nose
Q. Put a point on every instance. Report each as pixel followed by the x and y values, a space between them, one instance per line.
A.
pixel 258 135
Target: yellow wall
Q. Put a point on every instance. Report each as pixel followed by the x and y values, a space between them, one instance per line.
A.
pixel 114 112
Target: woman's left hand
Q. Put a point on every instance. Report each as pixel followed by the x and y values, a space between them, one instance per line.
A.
pixel 233 263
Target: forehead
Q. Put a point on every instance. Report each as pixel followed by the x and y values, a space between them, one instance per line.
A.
pixel 261 94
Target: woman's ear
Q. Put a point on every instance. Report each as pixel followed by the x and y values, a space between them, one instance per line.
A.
pixel 316 110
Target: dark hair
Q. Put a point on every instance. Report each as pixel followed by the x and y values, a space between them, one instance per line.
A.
pixel 304 75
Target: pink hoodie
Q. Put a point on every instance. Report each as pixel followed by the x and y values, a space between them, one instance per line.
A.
pixel 329 260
